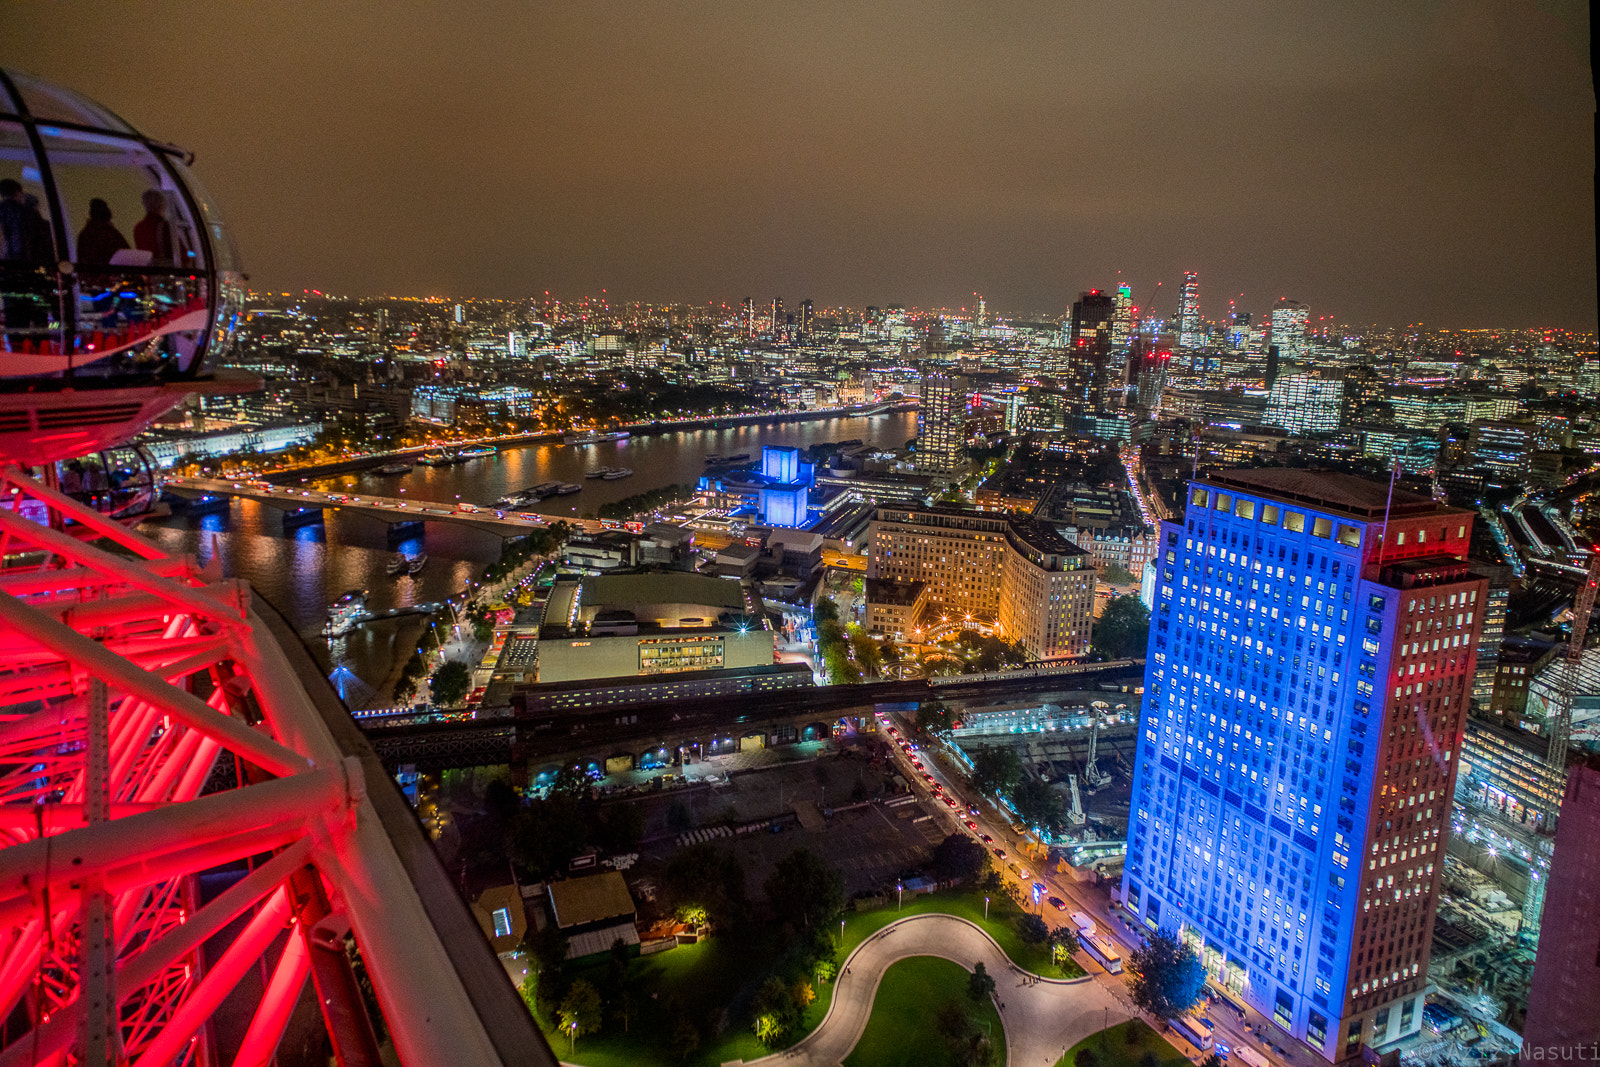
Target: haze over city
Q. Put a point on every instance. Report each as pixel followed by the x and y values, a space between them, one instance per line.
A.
pixel 713 534
pixel 1384 163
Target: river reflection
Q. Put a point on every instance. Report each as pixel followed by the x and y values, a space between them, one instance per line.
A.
pixel 301 570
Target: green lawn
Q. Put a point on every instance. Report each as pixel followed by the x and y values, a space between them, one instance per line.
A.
pixel 967 904
pixel 711 984
pixel 900 1032
pixel 1116 1048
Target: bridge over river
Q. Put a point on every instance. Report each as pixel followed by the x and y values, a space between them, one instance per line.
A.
pixel 306 505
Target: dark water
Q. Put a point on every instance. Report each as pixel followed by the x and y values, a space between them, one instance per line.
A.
pixel 300 571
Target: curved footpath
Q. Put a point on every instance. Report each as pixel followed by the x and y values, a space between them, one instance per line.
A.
pixel 1043 1016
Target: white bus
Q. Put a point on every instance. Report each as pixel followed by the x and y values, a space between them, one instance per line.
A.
pixel 1193 1029
pixel 1084 924
pixel 1100 948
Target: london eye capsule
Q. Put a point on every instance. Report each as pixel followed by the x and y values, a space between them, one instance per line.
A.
pixel 119 286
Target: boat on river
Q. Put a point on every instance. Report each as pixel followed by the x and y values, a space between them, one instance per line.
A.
pixel 394 468
pixel 567 488
pixel 614 473
pixel 437 459
pixel 475 452
pixel 346 613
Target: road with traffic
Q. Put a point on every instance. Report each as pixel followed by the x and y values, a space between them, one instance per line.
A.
pixel 966 810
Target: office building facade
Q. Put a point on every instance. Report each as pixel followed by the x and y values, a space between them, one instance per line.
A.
pixel 1289 319
pixel 1563 1020
pixel 941 422
pixel 1310 661
pixel 1009 572
pixel 1304 404
pixel 1089 351
pixel 1189 332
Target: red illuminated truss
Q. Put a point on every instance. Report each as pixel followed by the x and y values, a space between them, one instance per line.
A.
pixel 152 728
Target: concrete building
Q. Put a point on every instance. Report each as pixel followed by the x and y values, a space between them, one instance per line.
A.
pixel 894 608
pixel 941 421
pixel 1009 572
pixel 1305 404
pixel 1311 655
pixel 593 913
pixel 641 624
pixel 1564 1001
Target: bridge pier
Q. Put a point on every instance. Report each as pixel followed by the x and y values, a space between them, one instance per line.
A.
pixel 294 518
pixel 405 531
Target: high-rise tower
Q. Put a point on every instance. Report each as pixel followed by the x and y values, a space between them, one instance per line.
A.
pixel 1189 333
pixel 1289 328
pixel 940 421
pixel 1089 351
pixel 777 315
pixel 806 310
pixel 1308 674
pixel 1122 318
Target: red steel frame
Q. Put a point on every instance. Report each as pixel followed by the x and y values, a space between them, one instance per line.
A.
pixel 150 730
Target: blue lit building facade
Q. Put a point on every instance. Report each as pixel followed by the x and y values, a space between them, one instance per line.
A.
pixel 1307 679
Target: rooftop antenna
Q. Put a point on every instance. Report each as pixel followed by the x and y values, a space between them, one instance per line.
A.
pixel 1383 541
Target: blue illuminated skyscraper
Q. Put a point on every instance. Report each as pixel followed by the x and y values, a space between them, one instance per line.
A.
pixel 1306 685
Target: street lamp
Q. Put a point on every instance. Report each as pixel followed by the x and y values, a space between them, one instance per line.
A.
pixel 572 1035
pixel 986 909
pixel 900 887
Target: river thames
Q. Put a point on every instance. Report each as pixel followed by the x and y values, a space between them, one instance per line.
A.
pixel 301 571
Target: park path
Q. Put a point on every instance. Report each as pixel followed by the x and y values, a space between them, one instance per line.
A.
pixel 1043 1017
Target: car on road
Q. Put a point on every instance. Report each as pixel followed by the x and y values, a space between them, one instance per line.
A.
pixel 928 777
pixel 950 802
pixel 971 825
pixel 1000 852
pixel 985 838
pixel 1058 904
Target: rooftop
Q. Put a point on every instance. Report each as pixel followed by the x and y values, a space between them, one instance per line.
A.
pixel 598 897
pixel 1330 491
pixel 670 587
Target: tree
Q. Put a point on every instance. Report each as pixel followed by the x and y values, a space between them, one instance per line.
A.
pixel 1039 805
pixel 774 1009
pixel 958 857
pixel 1123 630
pixel 580 1011
pixel 1085 1057
pixel 1117 574
pixel 806 887
pixel 707 877
pixel 685 1038
pixel 968 1045
pixel 1032 929
pixel 1063 943
pixel 996 770
pixel 450 683
pixel 1167 976
pixel 980 984
pixel 934 721
pixel 1213 1060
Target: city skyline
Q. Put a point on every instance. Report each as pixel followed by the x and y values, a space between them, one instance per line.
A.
pixel 1379 165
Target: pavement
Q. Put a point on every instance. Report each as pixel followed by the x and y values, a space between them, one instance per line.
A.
pixel 1042 1017
pixel 1253 1030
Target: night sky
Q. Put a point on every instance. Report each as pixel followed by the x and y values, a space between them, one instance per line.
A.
pixel 1386 162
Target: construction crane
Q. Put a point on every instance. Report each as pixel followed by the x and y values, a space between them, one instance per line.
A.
pixel 1559 718
pixel 1091 769
pixel 1559 722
